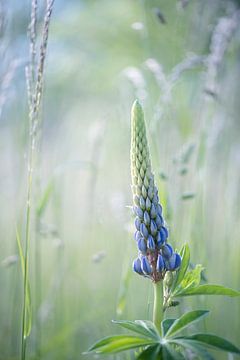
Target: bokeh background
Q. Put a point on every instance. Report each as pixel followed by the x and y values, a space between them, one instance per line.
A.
pixel 181 59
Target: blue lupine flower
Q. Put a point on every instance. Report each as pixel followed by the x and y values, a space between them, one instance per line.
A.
pixel 160 263
pixel 146 218
pixel 170 263
pixel 178 261
pixel 142 245
pixel 153 228
pixel 137 266
pixel 144 230
pixel 163 235
pixel 137 223
pixel 167 251
pixel 145 266
pixel 137 235
pixel 151 243
pixel 155 254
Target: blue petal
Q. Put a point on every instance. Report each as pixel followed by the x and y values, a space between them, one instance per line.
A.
pixel 160 263
pixel 137 223
pixel 142 203
pixel 153 211
pixel 138 211
pixel 178 261
pixel 153 228
pixel 150 243
pixel 137 235
pixel 165 230
pixel 171 262
pixel 137 266
pixel 148 204
pixel 145 266
pixel 144 230
pixel 146 218
pixel 142 245
pixel 167 251
pixel 159 221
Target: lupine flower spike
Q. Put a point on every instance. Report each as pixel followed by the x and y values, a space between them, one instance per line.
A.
pixel 155 254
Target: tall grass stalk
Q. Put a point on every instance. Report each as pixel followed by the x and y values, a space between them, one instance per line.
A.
pixel 34 78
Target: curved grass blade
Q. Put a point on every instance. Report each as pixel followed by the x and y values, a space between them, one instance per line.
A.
pixel 185 320
pixel 209 289
pixel 212 341
pixel 143 327
pixel 117 343
pixel 166 324
pixel 28 314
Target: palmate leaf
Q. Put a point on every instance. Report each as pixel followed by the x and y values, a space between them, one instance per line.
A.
pixel 143 327
pixel 194 347
pixel 212 341
pixel 117 343
pixel 209 289
pixel 151 353
pixel 166 324
pixel 191 279
pixel 169 353
pixel 184 321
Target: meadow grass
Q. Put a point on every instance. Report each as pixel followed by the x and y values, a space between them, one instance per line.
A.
pixel 91 45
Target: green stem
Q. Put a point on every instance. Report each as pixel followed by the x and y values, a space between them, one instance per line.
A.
pixel 158 304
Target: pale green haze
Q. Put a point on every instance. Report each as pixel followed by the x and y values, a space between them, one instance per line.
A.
pixel 181 60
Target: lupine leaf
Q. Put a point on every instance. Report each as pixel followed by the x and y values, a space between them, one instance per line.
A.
pixel 143 327
pixel 169 353
pixel 191 279
pixel 185 254
pixel 194 347
pixel 209 289
pixel 185 320
pixel 151 353
pixel 117 343
pixel 212 341
pixel 166 325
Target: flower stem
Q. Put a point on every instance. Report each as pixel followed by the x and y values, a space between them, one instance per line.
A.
pixel 158 304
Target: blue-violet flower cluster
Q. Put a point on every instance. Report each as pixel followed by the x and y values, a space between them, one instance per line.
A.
pixel 155 256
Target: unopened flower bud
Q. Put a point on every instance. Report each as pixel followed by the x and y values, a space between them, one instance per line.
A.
pixel 145 266
pixel 142 245
pixel 150 243
pixel 153 228
pixel 144 230
pixel 137 266
pixel 160 263
pixel 167 251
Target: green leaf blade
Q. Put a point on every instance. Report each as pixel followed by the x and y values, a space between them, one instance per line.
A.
pixel 214 341
pixel 151 353
pixel 209 289
pixel 142 327
pixel 117 343
pixel 166 324
pixel 184 321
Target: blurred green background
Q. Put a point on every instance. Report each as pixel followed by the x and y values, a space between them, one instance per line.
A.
pixel 182 60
